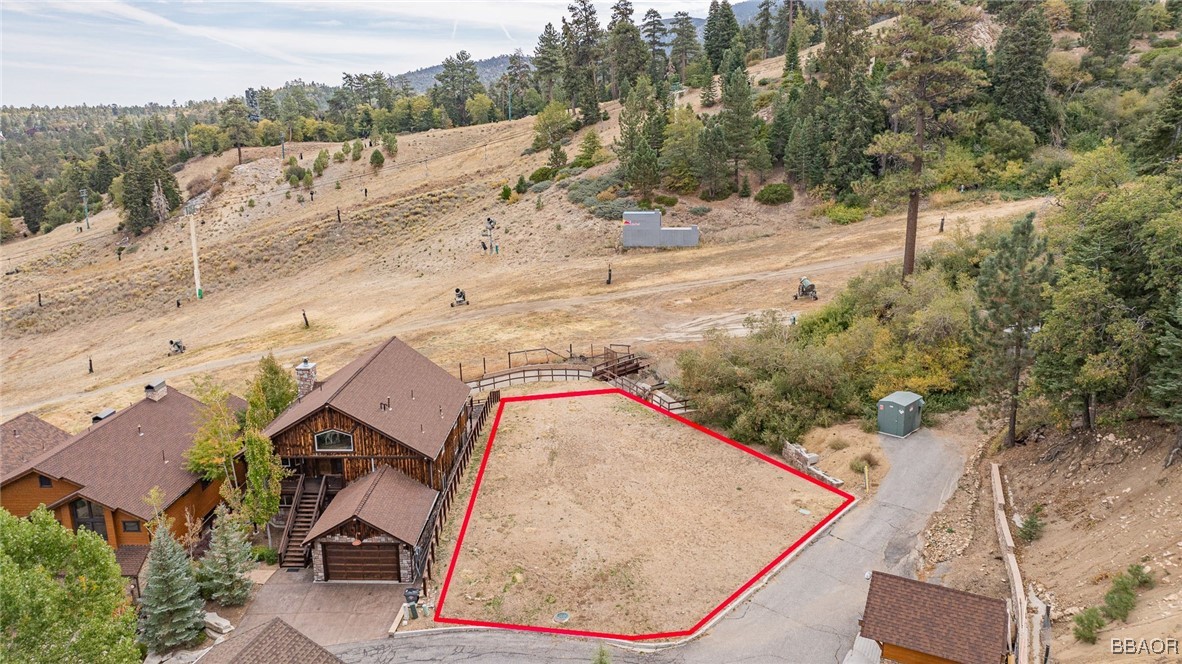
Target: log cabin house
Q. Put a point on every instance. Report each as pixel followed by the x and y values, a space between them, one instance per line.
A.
pixel 923 623
pixel 98 479
pixel 375 450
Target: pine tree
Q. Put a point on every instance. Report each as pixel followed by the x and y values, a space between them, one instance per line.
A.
pixel 589 149
pixel 684 46
pixel 857 118
pixel 1109 32
pixel 582 37
pixel 376 160
pixel 644 170
pixel 1020 76
pixel 721 28
pixel 104 172
pixel 33 204
pixel 737 119
pixel 780 130
pixel 1087 345
pixel 679 151
pixel 708 97
pixel 268 109
pixel 457 82
pixel 845 54
pixel 1165 379
pixel 763 25
pixel 792 77
pixel 548 63
pixel 172 613
pixel 1160 142
pixel 924 52
pixel 655 36
pixel 745 188
pixel 234 119
pixel 636 110
pixel 627 53
pixel 712 170
pixel 223 573
pixel 760 159
pixel 557 157
pixel 1010 290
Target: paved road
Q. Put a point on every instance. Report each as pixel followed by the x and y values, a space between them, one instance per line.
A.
pixel 807 614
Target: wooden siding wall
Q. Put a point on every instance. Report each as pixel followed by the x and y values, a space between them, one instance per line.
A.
pixel 125 538
pixel 22 496
pixel 369 448
pixel 356 528
pixel 906 656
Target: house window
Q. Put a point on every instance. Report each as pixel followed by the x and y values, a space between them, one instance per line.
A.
pixel 44 482
pixel 334 441
pixel 131 526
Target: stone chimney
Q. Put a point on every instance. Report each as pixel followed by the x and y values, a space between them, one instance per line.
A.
pixel 156 390
pixel 305 378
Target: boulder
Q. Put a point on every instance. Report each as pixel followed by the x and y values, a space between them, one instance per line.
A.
pixel 217 624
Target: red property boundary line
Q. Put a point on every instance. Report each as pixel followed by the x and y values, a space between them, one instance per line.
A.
pixel 848 500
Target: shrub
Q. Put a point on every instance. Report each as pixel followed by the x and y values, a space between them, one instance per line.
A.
pixel 376 160
pixel 1120 599
pixel 250 203
pixel 745 190
pixel 1087 623
pixel 838 445
pixel 339 157
pixel 1139 577
pixel 667 201
pixel 265 555
pixel 1032 525
pixel 699 210
pixel 539 187
pixel 864 462
pixel 522 186
pixel 506 192
pixel 843 214
pixel 775 194
pixel 543 173
pixel 198 185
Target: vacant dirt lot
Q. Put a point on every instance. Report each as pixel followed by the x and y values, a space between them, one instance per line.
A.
pixel 630 521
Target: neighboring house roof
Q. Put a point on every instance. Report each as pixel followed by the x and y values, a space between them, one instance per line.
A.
pixel 934 620
pixel 131 558
pixel 393 371
pixel 273 642
pixel 385 499
pixel 116 462
pixel 24 437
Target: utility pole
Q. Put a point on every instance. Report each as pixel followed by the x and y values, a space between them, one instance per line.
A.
pixel 84 194
pixel 196 267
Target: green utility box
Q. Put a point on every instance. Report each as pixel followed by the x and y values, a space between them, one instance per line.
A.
pixel 899 414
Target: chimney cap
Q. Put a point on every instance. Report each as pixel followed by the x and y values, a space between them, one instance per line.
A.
pixel 156 384
pixel 102 415
pixel 306 364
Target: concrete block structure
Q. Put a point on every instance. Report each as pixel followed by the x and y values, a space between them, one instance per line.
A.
pixel 642 228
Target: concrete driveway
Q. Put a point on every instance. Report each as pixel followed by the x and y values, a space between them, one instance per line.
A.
pixel 327 613
pixel 808 613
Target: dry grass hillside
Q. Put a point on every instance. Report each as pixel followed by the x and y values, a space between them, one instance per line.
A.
pixel 408 235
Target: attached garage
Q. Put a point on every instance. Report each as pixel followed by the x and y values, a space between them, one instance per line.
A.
pixel 373 530
pixel 364 562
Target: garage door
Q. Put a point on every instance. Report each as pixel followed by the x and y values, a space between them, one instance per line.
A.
pixel 367 562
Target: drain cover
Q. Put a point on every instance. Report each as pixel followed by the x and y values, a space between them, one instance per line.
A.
pixel 561 617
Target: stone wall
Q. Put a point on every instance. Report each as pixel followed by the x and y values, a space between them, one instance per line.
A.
pixel 804 461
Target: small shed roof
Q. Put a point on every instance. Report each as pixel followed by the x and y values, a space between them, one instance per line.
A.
pixel 385 499
pixel 901 398
pixel 934 620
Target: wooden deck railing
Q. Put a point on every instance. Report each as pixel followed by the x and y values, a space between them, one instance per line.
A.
pixel 299 491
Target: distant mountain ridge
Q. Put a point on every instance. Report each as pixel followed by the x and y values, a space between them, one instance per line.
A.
pixel 490 69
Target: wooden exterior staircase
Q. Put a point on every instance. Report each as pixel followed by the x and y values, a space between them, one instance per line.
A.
pixel 305 509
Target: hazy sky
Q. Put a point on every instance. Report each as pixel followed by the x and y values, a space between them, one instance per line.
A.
pixel 96 51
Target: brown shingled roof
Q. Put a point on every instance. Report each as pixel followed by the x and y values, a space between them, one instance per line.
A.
pixel 24 437
pixel 131 558
pixel 116 466
pixel 385 499
pixel 273 642
pixel 934 620
pixel 393 370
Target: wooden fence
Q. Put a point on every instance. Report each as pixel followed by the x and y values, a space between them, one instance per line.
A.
pixel 647 393
pixel 589 354
pixel 479 412
pixel 531 374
